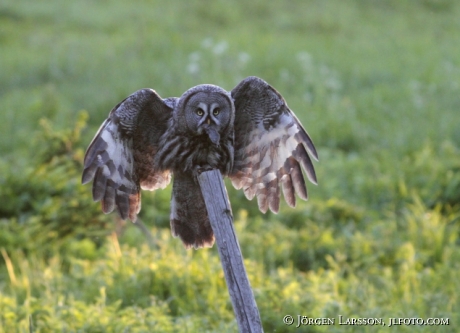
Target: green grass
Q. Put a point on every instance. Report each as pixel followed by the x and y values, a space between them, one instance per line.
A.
pixel 376 84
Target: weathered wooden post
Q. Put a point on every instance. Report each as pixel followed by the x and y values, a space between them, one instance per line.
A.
pixel 220 215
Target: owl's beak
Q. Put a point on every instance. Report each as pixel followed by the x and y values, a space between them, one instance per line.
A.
pixel 213 135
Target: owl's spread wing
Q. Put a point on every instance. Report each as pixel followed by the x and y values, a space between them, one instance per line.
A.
pixel 270 146
pixel 120 157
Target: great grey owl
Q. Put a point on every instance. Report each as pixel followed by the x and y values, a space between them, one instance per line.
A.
pixel 249 134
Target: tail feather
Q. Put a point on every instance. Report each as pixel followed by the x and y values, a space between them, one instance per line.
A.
pixel 189 218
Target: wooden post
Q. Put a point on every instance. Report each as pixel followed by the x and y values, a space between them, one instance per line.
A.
pixel 220 215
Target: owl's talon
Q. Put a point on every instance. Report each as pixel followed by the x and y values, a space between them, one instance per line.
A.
pixel 199 169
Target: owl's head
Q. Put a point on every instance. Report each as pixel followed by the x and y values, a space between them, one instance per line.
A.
pixel 206 110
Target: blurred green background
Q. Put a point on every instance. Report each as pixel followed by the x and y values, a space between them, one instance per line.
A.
pixel 376 83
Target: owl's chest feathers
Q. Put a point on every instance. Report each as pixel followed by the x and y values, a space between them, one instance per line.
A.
pixel 181 153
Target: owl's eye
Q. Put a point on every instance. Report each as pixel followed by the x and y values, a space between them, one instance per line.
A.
pixel 216 111
pixel 199 112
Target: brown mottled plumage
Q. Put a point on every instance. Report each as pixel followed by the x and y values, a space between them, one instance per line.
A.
pixel 249 134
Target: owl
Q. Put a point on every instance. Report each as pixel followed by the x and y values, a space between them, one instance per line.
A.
pixel 249 134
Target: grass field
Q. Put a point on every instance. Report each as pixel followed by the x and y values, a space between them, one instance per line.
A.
pixel 375 82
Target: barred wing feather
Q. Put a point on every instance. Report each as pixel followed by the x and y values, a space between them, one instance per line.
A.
pixel 271 146
pixel 120 157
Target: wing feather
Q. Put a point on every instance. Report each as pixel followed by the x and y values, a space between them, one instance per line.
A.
pixel 108 204
pixel 119 159
pixel 288 190
pixel 271 146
